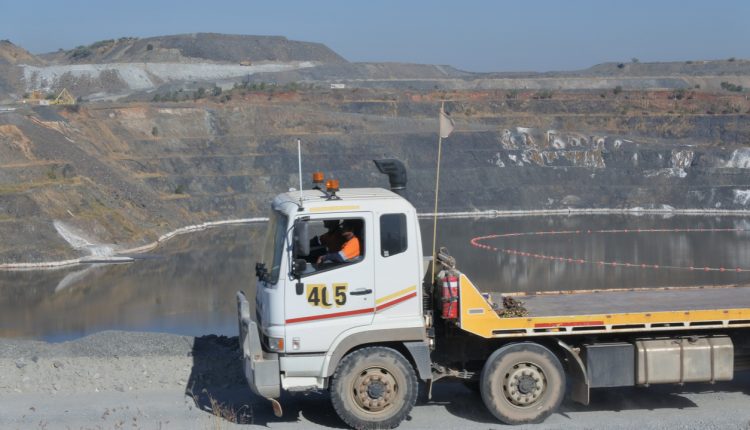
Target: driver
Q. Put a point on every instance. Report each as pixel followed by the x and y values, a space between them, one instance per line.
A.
pixel 350 248
pixel 328 242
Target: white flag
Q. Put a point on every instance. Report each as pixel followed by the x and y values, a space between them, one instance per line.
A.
pixel 446 124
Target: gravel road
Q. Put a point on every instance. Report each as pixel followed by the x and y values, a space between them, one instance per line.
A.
pixel 131 380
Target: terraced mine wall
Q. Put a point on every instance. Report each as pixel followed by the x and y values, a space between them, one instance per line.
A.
pixel 118 176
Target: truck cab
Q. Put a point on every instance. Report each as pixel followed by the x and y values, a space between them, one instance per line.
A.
pixel 314 310
pixel 310 314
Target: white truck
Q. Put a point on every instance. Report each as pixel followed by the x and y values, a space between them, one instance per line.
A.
pixel 367 329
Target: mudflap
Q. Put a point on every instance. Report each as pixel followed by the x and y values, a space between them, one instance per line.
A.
pixel 579 392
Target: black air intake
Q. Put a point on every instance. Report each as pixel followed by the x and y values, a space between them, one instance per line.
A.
pixel 396 173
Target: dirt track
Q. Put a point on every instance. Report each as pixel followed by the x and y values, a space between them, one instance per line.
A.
pixel 157 381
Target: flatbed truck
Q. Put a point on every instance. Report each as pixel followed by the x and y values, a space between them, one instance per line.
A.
pixel 368 329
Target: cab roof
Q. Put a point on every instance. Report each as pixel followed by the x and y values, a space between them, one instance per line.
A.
pixel 316 201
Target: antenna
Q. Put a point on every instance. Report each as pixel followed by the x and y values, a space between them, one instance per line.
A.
pixel 299 164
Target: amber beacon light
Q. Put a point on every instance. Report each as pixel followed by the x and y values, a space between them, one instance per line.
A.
pixel 332 185
pixel 318 179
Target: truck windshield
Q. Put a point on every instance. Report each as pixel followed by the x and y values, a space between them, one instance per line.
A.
pixel 273 249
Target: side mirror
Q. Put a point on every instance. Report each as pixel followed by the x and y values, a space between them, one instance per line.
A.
pixel 261 271
pixel 301 239
pixel 299 266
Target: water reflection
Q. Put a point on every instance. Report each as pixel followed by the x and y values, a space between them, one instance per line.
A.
pixel 494 271
pixel 189 289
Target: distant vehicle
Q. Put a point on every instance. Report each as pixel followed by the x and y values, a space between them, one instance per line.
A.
pixel 38 97
pixel 64 98
pixel 338 86
pixel 365 329
pixel 246 63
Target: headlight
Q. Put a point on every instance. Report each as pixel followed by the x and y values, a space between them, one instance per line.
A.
pixel 275 344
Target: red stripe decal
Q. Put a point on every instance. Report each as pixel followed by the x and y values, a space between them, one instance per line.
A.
pixel 333 315
pixel 350 313
pixel 394 302
pixel 568 324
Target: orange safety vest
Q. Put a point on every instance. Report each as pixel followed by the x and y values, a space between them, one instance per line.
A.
pixel 350 250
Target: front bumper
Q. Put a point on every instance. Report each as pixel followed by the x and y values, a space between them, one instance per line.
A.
pixel 261 368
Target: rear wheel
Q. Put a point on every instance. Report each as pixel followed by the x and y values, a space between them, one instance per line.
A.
pixel 522 383
pixel 374 388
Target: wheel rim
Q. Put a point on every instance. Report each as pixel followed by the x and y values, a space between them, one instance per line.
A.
pixel 524 384
pixel 374 390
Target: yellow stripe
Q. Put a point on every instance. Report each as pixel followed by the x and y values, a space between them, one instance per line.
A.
pixel 333 208
pixel 396 294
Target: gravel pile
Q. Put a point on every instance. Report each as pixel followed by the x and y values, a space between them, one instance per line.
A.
pixel 143 76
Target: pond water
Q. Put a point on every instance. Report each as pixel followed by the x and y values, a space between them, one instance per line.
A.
pixel 188 285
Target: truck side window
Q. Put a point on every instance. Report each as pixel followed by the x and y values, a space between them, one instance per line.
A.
pixel 393 238
pixel 335 242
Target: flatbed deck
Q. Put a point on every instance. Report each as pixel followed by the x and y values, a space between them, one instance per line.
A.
pixel 603 311
pixel 566 303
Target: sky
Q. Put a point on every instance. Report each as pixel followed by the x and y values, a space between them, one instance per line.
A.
pixel 473 35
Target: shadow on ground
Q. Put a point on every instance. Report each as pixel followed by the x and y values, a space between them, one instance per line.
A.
pixel 218 387
pixel 669 396
pixel 464 402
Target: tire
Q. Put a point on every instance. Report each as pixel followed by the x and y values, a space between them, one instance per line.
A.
pixel 522 383
pixel 374 388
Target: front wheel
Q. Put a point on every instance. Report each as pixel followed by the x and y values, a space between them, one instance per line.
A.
pixel 374 388
pixel 522 383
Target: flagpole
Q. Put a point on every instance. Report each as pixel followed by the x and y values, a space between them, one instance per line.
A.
pixel 437 189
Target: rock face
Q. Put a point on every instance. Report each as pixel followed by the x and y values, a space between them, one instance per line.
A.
pixel 97 81
pixel 133 67
pixel 13 54
pixel 129 65
pixel 122 175
pixel 196 47
pixel 11 57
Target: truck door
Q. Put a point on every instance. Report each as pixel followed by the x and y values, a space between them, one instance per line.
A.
pixel 334 296
pixel 397 274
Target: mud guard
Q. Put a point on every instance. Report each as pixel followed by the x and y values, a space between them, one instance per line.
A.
pixel 420 353
pixel 579 392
